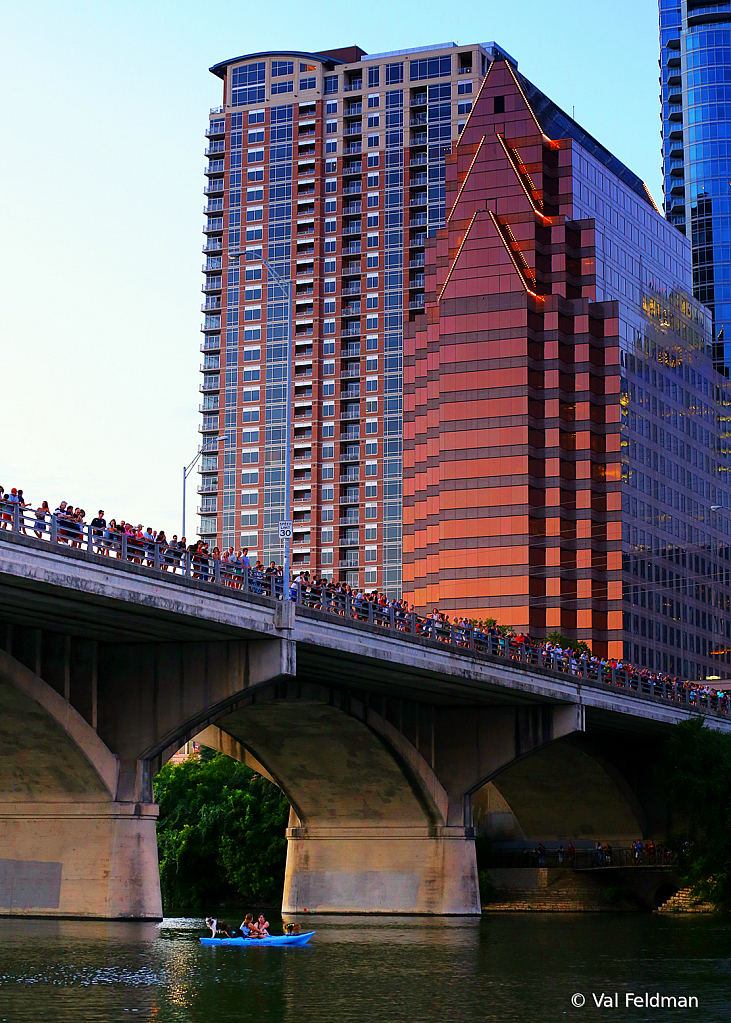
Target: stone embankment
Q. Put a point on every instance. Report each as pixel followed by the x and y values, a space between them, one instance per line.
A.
pixel 553 890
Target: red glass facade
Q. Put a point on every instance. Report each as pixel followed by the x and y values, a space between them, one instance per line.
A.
pixel 512 398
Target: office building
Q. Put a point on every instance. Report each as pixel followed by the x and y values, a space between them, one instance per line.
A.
pixel 695 89
pixel 331 167
pixel 565 448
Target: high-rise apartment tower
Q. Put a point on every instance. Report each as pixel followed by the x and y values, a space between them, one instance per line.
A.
pixel 330 166
pixel 695 92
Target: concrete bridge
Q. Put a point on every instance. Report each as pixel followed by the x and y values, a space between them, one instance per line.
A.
pixel 380 740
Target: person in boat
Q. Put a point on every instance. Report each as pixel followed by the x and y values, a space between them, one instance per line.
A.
pixel 262 926
pixel 248 928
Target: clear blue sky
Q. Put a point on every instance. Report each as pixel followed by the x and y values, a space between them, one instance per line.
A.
pixel 103 112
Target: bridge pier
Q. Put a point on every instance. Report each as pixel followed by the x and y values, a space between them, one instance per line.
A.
pixel 374 870
pixel 79 859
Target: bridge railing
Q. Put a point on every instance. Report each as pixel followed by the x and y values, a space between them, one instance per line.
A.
pixel 583 859
pixel 242 580
pixel 473 638
pixel 57 529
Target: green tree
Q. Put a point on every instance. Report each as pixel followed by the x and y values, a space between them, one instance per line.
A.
pixel 697 772
pixel 220 834
pixel 577 645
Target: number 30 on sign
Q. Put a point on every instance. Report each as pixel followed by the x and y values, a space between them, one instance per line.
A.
pixel 285 529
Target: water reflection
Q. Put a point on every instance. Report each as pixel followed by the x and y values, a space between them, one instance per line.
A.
pixel 377 969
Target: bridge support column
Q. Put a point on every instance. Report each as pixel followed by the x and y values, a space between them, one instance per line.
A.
pixel 79 860
pixel 354 869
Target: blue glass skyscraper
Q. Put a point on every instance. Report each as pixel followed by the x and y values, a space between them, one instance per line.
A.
pixel 695 84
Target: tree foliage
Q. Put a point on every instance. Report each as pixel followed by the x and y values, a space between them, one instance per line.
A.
pixel 577 645
pixel 220 834
pixel 697 772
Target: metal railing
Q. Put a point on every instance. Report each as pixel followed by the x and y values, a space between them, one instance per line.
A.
pixel 475 639
pixel 583 859
pixel 145 552
pixel 466 638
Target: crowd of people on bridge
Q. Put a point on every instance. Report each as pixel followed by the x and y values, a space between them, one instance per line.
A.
pixel 152 548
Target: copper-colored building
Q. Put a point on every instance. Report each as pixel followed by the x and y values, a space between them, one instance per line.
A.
pixel 561 366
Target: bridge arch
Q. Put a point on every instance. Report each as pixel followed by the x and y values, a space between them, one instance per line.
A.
pixel 564 790
pixel 67 846
pixel 369 830
pixel 57 755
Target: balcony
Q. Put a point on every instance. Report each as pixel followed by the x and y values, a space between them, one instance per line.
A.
pixel 353 249
pixel 212 263
pixel 215 206
pixel 349 433
pixel 350 350
pixel 352 330
pixel 353 109
pixel 354 85
pixel 418 178
pixel 352 228
pixel 417 119
pixel 212 343
pixel 213 245
pixel 210 304
pixel 349 520
pixel 418 220
pixel 213 187
pixel 351 289
pixel 348 563
pixel 351 411
pixel 352 207
pixel 303 270
pixel 353 149
pixel 418 261
pixel 417 240
pixel 350 498
pixel 353 129
pixel 417 281
pixel 418 138
pixel 210 403
pixel 211 284
pixel 418 99
pixel 210 385
pixel 207 485
pixel 353 189
pixel 466 70
pixel 351 268
pixel 300 497
pixel 417 303
pixel 211 364
pixel 214 167
pixel 217 147
pixel 211 323
pixel 418 161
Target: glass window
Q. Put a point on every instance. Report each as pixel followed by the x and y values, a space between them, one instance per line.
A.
pixel 307 83
pixel 278 87
pixel 430 67
pixel 280 68
pixel 255 116
pixel 331 84
pixel 374 74
pixel 394 74
pixel 331 107
pixel 374 101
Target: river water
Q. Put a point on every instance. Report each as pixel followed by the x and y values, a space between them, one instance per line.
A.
pixel 514 967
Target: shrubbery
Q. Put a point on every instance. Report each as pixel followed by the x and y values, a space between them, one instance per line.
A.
pixel 220 835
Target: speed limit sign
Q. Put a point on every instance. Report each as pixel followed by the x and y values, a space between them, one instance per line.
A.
pixel 285 529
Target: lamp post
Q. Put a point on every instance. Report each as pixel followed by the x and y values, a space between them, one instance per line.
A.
pixel 187 470
pixel 285 283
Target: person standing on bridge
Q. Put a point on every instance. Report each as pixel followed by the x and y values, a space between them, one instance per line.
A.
pixel 98 526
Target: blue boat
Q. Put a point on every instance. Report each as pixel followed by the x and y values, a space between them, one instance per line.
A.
pixel 272 939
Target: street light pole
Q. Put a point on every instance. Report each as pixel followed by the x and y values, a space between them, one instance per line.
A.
pixel 286 285
pixel 187 470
